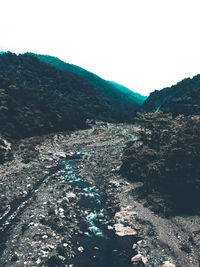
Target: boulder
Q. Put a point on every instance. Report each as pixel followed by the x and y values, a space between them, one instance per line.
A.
pixel 122 230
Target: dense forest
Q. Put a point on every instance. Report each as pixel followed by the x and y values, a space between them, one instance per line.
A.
pixel 182 98
pixel 37 98
pixel 123 100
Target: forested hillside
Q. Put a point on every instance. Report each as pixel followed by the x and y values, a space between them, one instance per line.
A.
pixel 123 100
pixel 182 98
pixel 36 98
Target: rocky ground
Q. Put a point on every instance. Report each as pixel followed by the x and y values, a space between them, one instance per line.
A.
pixel 63 203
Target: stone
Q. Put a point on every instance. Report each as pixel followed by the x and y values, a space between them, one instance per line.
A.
pixel 167 264
pixel 38 261
pixel 61 210
pixel 61 155
pixel 138 259
pixel 134 246
pixel 81 249
pixel 61 257
pixel 122 230
pixel 70 195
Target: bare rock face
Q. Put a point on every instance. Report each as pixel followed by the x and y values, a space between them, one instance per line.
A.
pixel 167 264
pixel 5 150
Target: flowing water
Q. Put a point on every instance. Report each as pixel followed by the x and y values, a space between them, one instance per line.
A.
pixel 96 245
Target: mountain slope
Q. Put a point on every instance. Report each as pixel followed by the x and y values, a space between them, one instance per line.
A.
pixel 182 98
pixel 128 94
pixel 36 98
pixel 124 101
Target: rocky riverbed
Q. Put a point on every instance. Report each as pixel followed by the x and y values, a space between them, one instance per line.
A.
pixel 63 203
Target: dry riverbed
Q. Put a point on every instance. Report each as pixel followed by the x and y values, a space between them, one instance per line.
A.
pixel 63 203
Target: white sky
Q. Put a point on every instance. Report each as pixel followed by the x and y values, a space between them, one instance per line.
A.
pixel 141 44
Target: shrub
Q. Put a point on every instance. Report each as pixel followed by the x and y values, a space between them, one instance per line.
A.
pixel 166 157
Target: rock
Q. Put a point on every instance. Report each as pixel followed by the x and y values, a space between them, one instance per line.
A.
pixel 81 249
pixel 167 264
pixel 38 261
pixel 70 195
pixel 139 259
pixel 122 230
pixel 61 257
pixel 134 246
pixel 61 155
pixel 101 215
pixel 50 247
pixel 61 210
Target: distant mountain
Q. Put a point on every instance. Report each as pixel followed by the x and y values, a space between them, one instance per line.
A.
pixel 124 101
pixel 37 98
pixel 128 94
pixel 182 98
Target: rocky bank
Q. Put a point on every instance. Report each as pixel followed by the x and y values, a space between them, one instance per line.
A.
pixel 64 203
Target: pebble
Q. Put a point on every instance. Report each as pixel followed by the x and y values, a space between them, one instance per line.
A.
pixel 61 257
pixel 61 210
pixel 81 249
pixel 70 195
pixel 134 246
pixel 38 261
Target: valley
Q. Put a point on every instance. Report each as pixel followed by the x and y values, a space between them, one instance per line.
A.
pixel 69 206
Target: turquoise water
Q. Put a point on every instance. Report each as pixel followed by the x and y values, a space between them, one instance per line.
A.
pixel 91 201
pixel 101 246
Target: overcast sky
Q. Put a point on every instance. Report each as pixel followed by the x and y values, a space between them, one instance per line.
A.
pixel 142 44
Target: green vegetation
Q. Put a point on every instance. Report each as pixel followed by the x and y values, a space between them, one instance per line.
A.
pixel 166 159
pixel 129 95
pixel 182 98
pixel 124 101
pixel 36 98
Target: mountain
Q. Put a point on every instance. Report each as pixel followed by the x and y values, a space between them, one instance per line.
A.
pixel 124 101
pixel 37 98
pixel 182 98
pixel 128 94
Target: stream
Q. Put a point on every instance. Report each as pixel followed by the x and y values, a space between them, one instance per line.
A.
pixel 98 245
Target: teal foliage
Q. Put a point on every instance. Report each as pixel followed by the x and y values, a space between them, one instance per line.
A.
pixel 36 98
pixel 124 102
